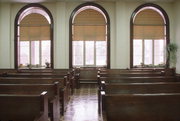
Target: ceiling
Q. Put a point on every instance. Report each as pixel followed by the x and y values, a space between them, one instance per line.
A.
pixel 38 1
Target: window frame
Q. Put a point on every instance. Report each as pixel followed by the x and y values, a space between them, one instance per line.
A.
pixel 70 31
pixel 166 18
pixel 153 51
pixel 16 32
pixel 95 55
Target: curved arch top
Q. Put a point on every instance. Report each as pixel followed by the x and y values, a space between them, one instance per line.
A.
pixel 166 23
pixel 34 5
pixel 89 4
pixel 73 14
pixel 16 24
pixel 150 5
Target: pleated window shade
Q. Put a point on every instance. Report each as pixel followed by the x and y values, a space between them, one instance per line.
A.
pixel 149 24
pixel 34 27
pixel 89 24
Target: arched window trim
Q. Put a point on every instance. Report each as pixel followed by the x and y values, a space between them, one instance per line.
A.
pixel 16 32
pixel 165 17
pixel 70 30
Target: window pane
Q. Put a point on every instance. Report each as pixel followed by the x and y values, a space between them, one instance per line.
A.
pixel 45 52
pixel 78 53
pixel 89 53
pixel 35 52
pixel 148 53
pixel 137 52
pixel 24 53
pixel 101 53
pixel 159 52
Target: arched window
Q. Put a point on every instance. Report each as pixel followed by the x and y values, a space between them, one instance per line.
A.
pixel 149 36
pixel 89 41
pixel 33 37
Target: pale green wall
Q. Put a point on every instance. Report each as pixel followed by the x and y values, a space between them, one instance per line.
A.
pixel 177 32
pixel 5 36
pixel 119 13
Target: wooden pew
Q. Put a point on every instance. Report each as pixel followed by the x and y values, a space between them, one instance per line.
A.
pixel 130 70
pixel 72 74
pixel 130 88
pixel 76 77
pixel 158 87
pixel 77 82
pixel 154 79
pixel 34 70
pixel 132 74
pixel 33 75
pixel 134 88
pixel 7 71
pixel 164 71
pixel 64 89
pixel 178 77
pixel 34 89
pixel 135 79
pixel 65 71
pixel 44 74
pixel 24 107
pixel 69 72
pixel 62 80
pixel 87 75
pixel 142 107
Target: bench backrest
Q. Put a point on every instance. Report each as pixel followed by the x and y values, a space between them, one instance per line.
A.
pixel 132 88
pixel 31 89
pixel 24 107
pixel 27 80
pixel 138 79
pixel 129 70
pixel 143 107
pixel 132 74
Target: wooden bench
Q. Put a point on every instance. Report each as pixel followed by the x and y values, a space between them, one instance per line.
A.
pixel 134 76
pixel 131 70
pixel 135 79
pixel 54 74
pixel 73 73
pixel 7 70
pixel 137 88
pixel 158 87
pixel 87 75
pixel 34 89
pixel 178 77
pixel 43 70
pixel 24 107
pixel 139 74
pixel 64 89
pixel 142 107
pixel 126 72
pixel 68 87
pixel 33 75
pixel 166 72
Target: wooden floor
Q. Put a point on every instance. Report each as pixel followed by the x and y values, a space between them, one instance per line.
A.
pixel 83 105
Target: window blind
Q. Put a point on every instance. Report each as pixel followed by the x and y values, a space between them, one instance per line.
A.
pixel 149 24
pixel 34 27
pixel 89 24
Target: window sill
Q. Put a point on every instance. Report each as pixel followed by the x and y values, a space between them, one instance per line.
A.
pixel 35 68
